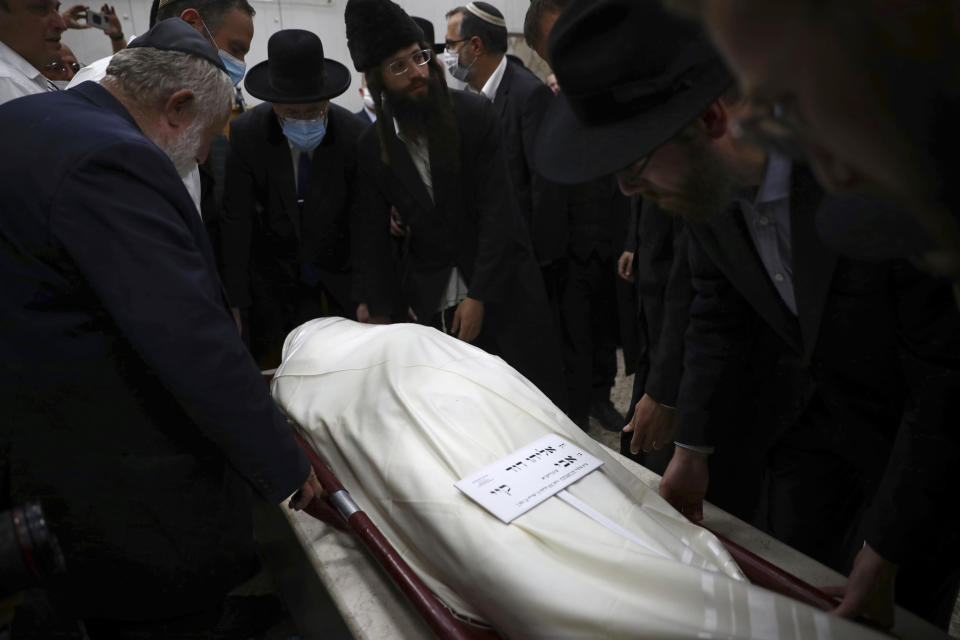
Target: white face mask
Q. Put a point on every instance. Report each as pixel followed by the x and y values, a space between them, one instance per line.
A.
pixel 451 59
pixel 60 84
pixel 368 99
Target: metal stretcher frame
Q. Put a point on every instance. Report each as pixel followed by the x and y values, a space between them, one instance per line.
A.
pixel 339 510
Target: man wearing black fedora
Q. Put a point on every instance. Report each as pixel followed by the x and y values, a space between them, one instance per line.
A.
pixel 465 266
pixel 289 194
pixel 831 358
pixel 653 321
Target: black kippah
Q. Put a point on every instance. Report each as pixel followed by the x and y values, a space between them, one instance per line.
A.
pixel 174 34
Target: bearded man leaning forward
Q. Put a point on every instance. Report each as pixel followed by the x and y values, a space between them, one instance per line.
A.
pixel 466 266
pixel 132 409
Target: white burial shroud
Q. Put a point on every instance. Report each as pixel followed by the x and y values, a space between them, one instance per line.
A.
pixel 402 412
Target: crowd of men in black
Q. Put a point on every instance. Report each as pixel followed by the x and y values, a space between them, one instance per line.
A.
pixel 789 238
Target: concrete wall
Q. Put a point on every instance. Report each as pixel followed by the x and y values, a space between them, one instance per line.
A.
pixel 324 17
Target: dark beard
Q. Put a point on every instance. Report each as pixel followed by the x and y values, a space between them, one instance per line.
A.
pixel 708 188
pixel 420 116
pixel 428 116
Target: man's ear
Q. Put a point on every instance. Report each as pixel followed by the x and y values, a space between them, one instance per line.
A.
pixel 715 121
pixel 179 110
pixel 477 44
pixel 193 18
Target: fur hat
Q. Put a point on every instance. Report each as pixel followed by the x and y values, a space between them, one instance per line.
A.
pixel 377 28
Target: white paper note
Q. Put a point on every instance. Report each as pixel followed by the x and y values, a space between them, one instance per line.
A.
pixel 515 484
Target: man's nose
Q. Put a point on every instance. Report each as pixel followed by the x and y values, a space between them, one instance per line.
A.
pixel 58 22
pixel 629 184
pixel 419 71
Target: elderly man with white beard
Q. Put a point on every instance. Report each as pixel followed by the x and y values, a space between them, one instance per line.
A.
pixel 132 410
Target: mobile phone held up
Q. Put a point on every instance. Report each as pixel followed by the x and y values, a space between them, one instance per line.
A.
pixel 98 20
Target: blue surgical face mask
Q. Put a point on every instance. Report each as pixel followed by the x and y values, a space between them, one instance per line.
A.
pixel 304 134
pixel 235 68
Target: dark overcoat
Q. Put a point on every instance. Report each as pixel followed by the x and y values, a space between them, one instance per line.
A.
pixel 131 408
pixel 521 102
pixel 472 222
pixel 875 345
pixel 267 237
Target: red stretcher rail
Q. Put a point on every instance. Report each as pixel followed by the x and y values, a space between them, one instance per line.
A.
pixel 438 617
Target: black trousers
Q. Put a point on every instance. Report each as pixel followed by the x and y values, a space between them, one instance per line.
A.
pixel 590 330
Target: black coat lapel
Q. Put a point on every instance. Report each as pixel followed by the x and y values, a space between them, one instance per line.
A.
pixel 734 253
pixel 280 171
pixel 502 99
pixel 402 165
pixel 813 263
pixel 445 182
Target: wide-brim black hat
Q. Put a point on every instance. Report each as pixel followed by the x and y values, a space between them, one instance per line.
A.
pixel 377 29
pixel 295 71
pixel 631 76
pixel 428 34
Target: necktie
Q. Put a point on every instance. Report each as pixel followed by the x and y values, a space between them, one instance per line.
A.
pixel 303 176
pixel 308 274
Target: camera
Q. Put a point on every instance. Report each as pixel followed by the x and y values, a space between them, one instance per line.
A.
pixel 29 551
pixel 98 20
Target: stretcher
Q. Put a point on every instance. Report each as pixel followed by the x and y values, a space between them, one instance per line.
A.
pixel 339 510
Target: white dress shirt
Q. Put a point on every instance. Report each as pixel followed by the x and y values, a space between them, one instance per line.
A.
pixel 492 85
pixel 18 77
pixel 95 72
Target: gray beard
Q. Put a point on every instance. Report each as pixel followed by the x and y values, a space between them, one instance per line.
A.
pixel 182 151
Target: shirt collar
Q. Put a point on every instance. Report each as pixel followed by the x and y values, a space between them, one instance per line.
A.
pixel 776 180
pixel 403 139
pixel 493 82
pixel 396 129
pixel 18 62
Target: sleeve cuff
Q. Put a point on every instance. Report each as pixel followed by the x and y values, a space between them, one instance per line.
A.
pixel 691 447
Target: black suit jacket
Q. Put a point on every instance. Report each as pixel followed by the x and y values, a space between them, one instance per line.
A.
pixel 471 223
pixel 664 293
pixel 364 117
pixel 521 101
pixel 265 234
pixel 130 403
pixel 869 340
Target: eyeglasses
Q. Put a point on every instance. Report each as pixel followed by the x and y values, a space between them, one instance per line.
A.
pixel 312 115
pixel 401 65
pixel 448 45
pixel 58 67
pixel 778 126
